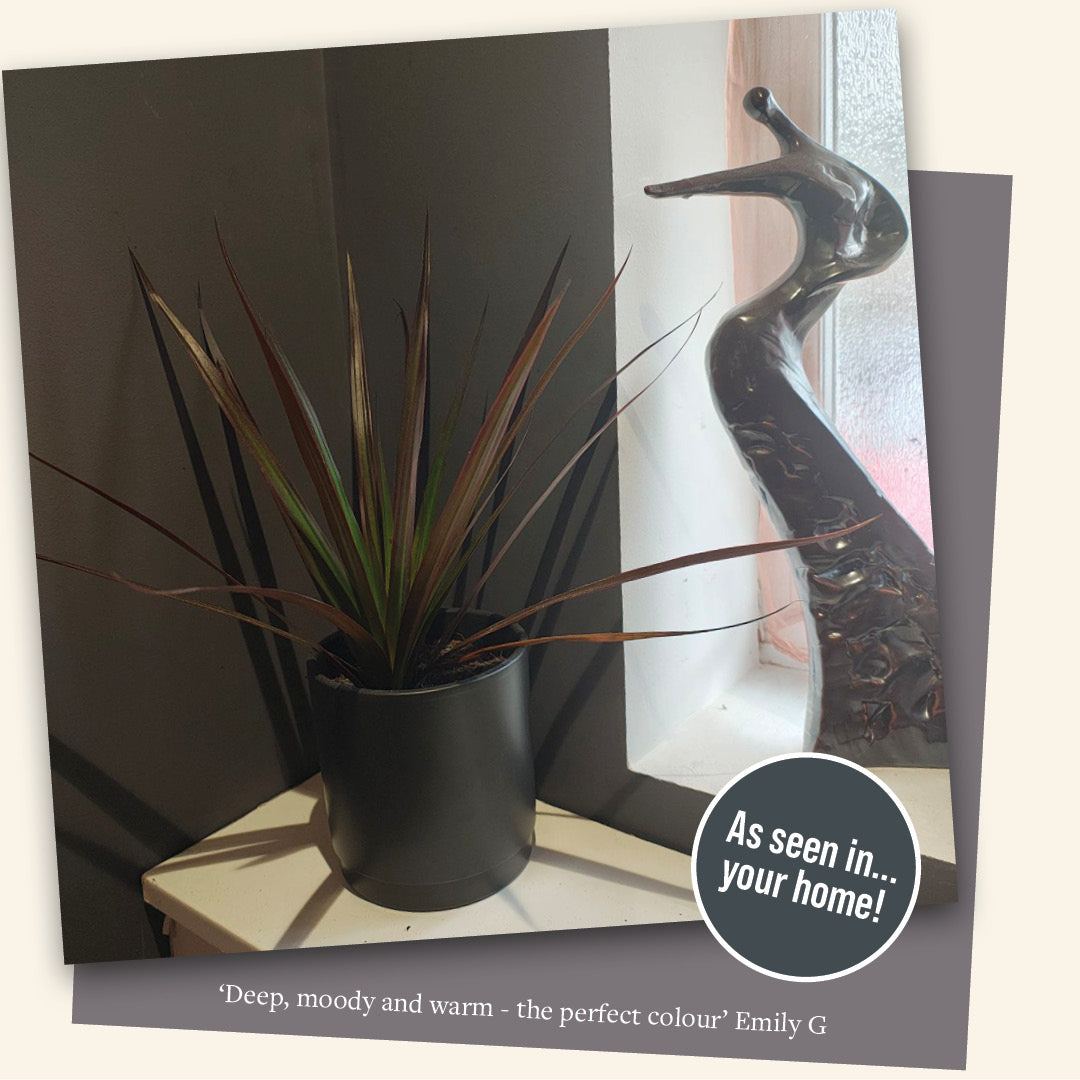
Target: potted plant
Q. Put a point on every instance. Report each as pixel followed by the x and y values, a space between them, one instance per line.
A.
pixel 419 705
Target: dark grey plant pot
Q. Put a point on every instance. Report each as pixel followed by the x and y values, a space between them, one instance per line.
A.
pixel 430 793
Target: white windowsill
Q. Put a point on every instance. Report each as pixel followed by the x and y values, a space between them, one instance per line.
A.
pixel 264 882
pixel 761 716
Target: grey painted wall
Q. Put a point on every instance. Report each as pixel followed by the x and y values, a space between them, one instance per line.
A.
pixel 160 729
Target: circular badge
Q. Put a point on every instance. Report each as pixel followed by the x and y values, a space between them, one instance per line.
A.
pixel 806 867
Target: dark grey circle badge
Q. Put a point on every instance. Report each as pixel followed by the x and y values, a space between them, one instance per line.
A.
pixel 806 867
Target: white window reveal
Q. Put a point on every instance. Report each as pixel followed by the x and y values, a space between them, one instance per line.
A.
pixel 700 709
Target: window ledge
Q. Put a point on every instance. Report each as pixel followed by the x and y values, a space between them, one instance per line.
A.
pixel 264 883
pixel 762 716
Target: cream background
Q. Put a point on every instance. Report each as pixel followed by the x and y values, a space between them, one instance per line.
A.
pixel 984 91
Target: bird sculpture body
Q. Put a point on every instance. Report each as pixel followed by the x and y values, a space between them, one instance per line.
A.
pixel 870 597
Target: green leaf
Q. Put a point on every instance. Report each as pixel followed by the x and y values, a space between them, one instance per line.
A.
pixel 410 441
pixel 564 471
pixel 426 516
pixel 612 636
pixel 140 516
pixel 231 613
pixel 478 470
pixel 319 558
pixel 510 454
pixel 697 558
pixel 337 618
pixel 362 580
pixel 367 473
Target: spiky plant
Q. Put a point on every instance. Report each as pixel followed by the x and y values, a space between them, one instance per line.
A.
pixel 384 555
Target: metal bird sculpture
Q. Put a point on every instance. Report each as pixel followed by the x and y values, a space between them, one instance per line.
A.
pixel 870 597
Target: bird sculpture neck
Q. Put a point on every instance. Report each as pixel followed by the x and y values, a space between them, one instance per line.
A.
pixel 849 226
pixel 869 597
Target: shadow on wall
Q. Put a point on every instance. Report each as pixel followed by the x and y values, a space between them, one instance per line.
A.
pixel 159 722
pixel 141 821
pixel 282 688
pixel 284 698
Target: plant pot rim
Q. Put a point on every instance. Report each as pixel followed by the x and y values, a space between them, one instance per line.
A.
pixel 340 684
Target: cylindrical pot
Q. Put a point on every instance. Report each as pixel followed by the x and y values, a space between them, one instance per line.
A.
pixel 430 793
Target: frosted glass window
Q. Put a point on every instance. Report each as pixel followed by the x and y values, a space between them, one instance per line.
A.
pixel 876 374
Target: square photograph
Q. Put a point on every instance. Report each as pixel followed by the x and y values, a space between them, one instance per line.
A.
pixel 453 462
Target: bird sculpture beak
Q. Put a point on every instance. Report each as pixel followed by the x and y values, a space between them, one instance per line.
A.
pixel 717 183
pixel 765 178
pixel 762 179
